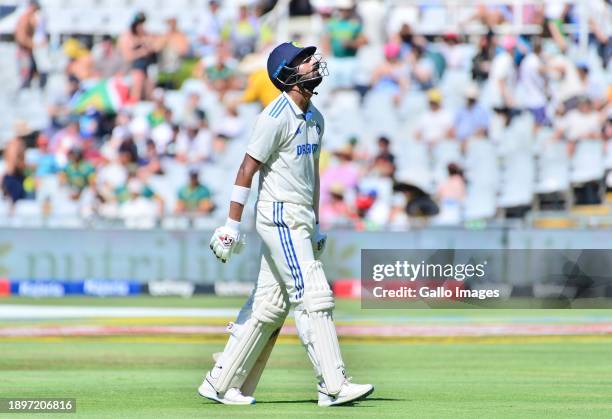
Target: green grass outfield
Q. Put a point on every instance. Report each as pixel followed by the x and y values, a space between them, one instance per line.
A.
pixel 157 376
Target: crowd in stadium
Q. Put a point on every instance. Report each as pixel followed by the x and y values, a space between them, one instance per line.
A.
pixel 118 130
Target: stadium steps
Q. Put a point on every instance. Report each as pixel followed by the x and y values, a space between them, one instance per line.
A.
pixel 590 210
pixel 555 223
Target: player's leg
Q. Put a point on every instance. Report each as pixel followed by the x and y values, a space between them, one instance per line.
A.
pixel 248 340
pixel 250 383
pixel 317 331
pixel 308 288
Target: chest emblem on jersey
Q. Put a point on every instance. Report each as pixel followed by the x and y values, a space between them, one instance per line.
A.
pixel 305 149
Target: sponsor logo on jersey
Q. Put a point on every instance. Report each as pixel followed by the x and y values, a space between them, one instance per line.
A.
pixel 305 149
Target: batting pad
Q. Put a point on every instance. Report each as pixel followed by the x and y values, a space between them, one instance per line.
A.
pixel 319 303
pixel 240 354
pixel 250 383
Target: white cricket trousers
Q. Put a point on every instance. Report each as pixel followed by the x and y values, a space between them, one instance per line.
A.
pixel 287 233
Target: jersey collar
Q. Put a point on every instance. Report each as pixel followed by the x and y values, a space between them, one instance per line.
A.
pixel 295 108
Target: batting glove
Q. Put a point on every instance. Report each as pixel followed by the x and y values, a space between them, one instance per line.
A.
pixel 319 242
pixel 226 240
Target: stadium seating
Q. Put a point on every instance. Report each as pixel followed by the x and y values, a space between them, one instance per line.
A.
pixel 588 161
pixel 553 169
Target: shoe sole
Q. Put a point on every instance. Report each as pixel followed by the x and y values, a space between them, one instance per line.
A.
pixel 354 399
pixel 222 401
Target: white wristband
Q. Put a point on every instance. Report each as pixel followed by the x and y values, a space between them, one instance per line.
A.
pixel 240 194
pixel 233 224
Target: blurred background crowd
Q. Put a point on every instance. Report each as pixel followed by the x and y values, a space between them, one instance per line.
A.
pixel 137 113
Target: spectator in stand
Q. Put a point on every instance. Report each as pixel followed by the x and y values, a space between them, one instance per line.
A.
pixel 244 33
pixel 194 144
pixel 150 163
pixel 398 218
pixel 336 212
pixel 384 149
pixel 533 84
pixel 78 174
pixel 41 49
pixel 454 53
pixel 423 68
pixel 192 109
pixel 481 63
pixel 582 123
pixel 173 48
pixel 230 125
pixel 472 119
pixel 138 208
pixel 220 75
pixel 135 188
pixel 80 63
pixel 259 87
pixel 24 38
pixel 107 61
pixel 591 87
pixel 128 152
pixel 59 108
pixel 163 133
pixel 110 175
pixel 566 87
pixel 66 139
pixel 14 166
pixel 158 113
pixel 392 75
pixel 342 39
pixel 450 196
pixel 194 198
pixel 418 199
pixel 436 123
pixel 405 38
pixel 502 77
pixel 137 47
pixel 209 33
pixel 493 15
pixel 45 164
pixel 345 173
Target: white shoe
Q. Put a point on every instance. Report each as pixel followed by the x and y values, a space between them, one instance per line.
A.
pixel 348 393
pixel 231 396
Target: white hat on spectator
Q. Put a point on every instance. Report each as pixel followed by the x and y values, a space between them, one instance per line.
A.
pixel 134 186
pixel 139 127
pixel 161 136
pixel 158 94
pixel 344 4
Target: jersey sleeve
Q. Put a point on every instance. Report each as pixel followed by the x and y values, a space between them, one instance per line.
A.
pixel 265 139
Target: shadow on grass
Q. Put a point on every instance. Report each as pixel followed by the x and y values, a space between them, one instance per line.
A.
pixel 355 403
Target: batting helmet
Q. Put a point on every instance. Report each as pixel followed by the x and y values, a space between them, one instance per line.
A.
pixel 283 70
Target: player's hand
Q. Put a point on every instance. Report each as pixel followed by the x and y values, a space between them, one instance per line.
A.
pixel 227 240
pixel 319 242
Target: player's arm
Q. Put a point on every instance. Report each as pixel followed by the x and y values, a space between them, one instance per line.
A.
pixel 244 178
pixel 226 239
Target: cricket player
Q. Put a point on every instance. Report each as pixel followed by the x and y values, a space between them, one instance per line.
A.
pixel 285 148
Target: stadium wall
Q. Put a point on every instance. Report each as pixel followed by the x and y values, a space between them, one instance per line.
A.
pixel 161 255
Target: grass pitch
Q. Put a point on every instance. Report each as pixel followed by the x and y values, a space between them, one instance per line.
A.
pixel 157 376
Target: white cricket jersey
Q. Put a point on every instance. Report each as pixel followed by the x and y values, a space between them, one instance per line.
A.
pixel 287 141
